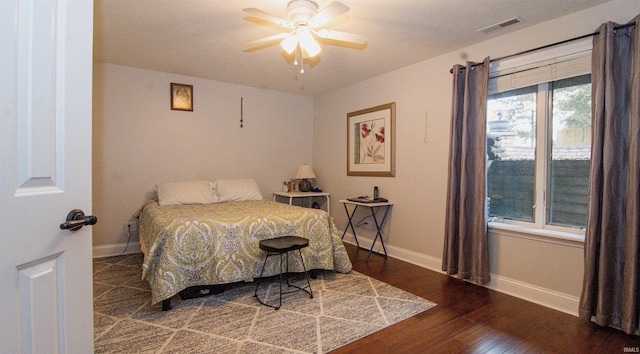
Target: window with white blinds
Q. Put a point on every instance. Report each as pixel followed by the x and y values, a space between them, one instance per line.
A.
pixel 539 137
pixel 546 65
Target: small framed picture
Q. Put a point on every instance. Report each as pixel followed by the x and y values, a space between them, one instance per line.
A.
pixel 371 140
pixel 181 97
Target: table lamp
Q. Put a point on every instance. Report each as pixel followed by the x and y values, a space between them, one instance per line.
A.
pixel 304 173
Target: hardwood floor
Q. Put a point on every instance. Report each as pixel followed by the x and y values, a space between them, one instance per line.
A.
pixel 474 319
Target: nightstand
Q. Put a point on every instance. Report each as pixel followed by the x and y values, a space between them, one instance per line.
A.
pixel 293 195
pixel 379 223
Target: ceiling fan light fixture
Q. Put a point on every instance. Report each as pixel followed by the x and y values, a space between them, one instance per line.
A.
pixel 304 28
pixel 308 43
pixel 290 43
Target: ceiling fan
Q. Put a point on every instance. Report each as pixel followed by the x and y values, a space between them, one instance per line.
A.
pixel 305 25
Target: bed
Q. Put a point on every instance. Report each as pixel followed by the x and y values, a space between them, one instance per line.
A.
pixel 215 241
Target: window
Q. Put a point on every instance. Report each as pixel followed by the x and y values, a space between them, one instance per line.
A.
pixel 511 150
pixel 569 162
pixel 538 147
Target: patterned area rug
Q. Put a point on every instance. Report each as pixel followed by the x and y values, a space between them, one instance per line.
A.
pixel 345 307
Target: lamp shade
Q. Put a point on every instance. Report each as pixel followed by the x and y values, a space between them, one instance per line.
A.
pixel 307 42
pixel 305 171
pixel 290 43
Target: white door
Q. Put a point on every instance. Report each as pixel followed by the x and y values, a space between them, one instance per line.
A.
pixel 46 303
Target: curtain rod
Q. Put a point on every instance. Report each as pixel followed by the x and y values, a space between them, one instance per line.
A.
pixel 630 24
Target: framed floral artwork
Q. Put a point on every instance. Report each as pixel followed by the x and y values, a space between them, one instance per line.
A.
pixel 181 97
pixel 371 139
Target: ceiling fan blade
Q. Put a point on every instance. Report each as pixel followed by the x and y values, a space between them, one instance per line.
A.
pixel 268 17
pixel 342 36
pixel 267 40
pixel 328 14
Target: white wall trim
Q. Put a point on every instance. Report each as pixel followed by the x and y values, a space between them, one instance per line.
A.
pixel 549 298
pixel 541 235
pixel 529 292
pixel 403 254
pixel 115 249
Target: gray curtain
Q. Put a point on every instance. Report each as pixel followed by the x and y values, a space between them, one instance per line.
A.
pixel 465 243
pixel 610 286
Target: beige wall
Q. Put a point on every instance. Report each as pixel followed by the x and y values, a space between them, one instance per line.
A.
pixel 138 141
pixel 549 273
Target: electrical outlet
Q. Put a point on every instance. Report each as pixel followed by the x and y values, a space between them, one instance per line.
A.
pixel 367 225
pixel 130 226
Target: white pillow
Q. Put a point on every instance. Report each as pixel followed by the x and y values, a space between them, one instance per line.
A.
pixel 190 192
pixel 229 190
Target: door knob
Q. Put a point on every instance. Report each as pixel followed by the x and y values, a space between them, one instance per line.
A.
pixel 76 220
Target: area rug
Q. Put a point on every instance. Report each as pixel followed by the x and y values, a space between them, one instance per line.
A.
pixel 344 308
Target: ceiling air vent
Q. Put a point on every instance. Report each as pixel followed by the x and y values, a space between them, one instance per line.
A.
pixel 509 22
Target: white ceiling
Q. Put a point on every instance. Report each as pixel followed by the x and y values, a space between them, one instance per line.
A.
pixel 205 38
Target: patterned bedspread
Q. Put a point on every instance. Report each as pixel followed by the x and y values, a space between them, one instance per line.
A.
pixel 206 244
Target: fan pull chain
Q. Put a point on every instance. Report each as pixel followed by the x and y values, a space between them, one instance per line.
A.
pixel 301 62
pixel 295 60
pixel 241 112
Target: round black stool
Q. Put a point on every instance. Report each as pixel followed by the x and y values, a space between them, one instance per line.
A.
pixel 281 246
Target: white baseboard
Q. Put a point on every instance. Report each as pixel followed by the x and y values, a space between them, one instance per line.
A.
pixel 533 293
pixel 403 254
pixel 115 250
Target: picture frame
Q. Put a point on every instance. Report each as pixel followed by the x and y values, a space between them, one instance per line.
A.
pixel 371 138
pixel 181 97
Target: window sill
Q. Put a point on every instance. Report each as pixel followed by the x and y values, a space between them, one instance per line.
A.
pixel 545 235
